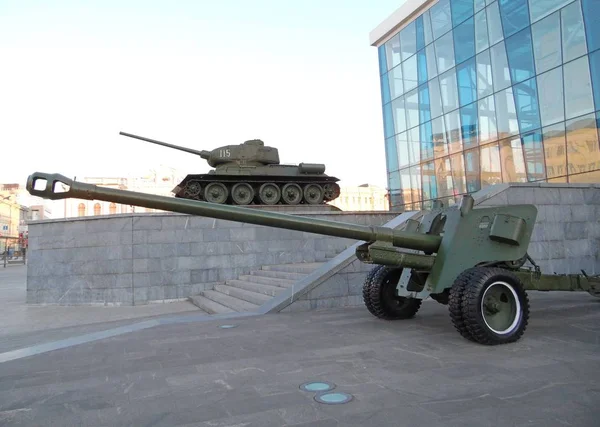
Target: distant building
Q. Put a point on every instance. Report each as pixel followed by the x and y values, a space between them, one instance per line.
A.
pixel 159 182
pixel 364 197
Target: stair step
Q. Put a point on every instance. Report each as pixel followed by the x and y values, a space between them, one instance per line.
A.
pixel 251 297
pixel 255 287
pixel 306 268
pixel 278 274
pixel 283 283
pixel 233 303
pixel 208 305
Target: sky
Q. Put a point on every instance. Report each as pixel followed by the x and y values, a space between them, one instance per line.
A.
pixel 300 75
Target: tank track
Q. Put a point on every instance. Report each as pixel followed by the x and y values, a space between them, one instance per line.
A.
pixel 271 190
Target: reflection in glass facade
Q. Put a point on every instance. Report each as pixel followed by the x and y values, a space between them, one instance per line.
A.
pixel 478 92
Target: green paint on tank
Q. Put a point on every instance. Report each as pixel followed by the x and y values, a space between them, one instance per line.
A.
pixel 251 173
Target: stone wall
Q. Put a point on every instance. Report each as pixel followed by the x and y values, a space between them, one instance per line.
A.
pixel 137 258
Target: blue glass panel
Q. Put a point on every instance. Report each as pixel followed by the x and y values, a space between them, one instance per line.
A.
pixel 453 131
pixel 409 70
pixel 408 41
pixel 578 88
pixel 388 121
pixel 539 9
pixel 382 60
pixel 429 181
pixel 403 158
pixel 402 149
pixel 467 82
pixel 427 27
pixel 546 43
pixel 424 111
pixel 396 82
pixel 444 50
pixel 472 170
pixel 431 61
pixel 391 154
pixel 412 109
pixel 533 152
pixel 441 18
pixel 461 10
pixel 591 16
pixel 420 33
pixel 573 33
pixel 385 89
pixel 500 69
pixel 494 23
pixel 449 90
pixel 488 131
pixel 414 145
pixel 435 97
pixel 422 67
pixel 482 41
pixel 464 41
pixel 595 67
pixel 515 15
pixel 394 181
pixel 468 118
pixel 552 106
pixel 520 56
pixel 398 114
pixel 484 75
pixel 392 51
pixel 526 101
pixel 440 144
pixel 506 114
pixel 479 4
pixel 426 141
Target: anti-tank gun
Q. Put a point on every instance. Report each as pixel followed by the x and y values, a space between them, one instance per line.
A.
pixel 468 258
pixel 251 173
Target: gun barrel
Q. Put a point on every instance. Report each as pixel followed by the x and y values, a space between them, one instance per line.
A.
pixel 73 189
pixel 202 154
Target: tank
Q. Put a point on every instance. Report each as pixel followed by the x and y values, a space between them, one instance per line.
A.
pixel 250 173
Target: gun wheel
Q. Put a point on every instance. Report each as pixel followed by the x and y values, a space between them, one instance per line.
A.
pixel 455 303
pixel 385 303
pixel 366 291
pixel 495 307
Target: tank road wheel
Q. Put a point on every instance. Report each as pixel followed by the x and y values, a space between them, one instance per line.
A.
pixel 269 193
pixel 382 296
pixel 291 194
pixel 331 191
pixel 313 194
pixel 366 291
pixel 192 189
pixel 495 307
pixel 216 192
pixel 242 193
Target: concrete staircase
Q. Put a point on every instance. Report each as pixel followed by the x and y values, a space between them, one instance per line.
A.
pixel 248 292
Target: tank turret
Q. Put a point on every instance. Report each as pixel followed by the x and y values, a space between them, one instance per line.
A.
pixel 251 173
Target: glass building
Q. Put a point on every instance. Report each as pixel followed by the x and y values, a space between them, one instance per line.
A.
pixel 478 92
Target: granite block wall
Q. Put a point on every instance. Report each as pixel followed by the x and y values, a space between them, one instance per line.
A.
pixel 135 259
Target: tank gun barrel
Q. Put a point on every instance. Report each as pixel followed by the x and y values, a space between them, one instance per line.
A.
pixel 204 154
pixel 52 189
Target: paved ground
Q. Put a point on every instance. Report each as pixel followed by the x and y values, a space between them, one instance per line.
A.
pixel 404 373
pixel 37 321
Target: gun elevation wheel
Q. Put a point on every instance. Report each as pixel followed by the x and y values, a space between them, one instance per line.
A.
pixel 382 300
pixel 494 307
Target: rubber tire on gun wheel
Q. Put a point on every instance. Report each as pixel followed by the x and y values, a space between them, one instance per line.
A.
pixel 512 297
pixel 382 295
pixel 455 303
pixel 366 291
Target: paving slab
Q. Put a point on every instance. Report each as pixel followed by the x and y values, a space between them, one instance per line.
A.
pixel 188 371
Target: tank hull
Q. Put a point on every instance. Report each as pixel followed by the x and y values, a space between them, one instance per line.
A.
pixel 286 188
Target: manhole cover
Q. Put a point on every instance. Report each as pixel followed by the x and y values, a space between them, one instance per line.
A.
pixel 336 398
pixel 318 386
